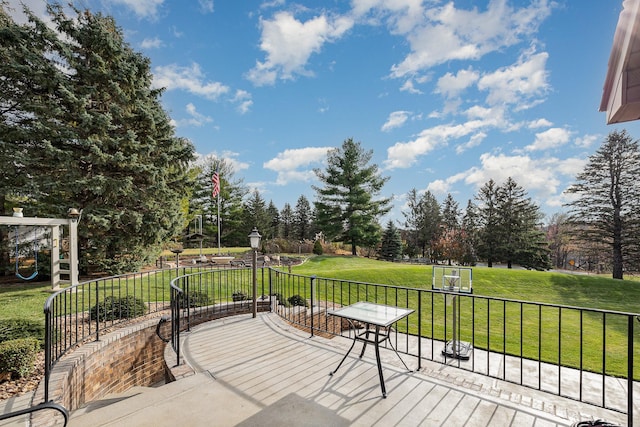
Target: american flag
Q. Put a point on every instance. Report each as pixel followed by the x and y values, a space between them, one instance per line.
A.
pixel 215 179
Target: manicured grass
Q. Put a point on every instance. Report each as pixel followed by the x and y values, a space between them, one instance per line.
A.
pixel 524 322
pixel 587 291
pixel 529 330
pixel 24 300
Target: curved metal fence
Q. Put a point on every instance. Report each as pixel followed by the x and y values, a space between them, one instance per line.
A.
pixel 589 355
pixel 82 313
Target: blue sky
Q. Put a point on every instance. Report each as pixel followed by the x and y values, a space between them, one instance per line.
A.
pixel 447 94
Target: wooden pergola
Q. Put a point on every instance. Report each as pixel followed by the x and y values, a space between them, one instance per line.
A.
pixel 71 261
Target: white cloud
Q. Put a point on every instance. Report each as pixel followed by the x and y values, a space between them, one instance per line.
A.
pixel 195 118
pixel 142 8
pixel 404 154
pixel 518 83
pixel 440 187
pixel 206 6
pixel 541 177
pixel 244 101
pixel 14 9
pixel 190 79
pixel 474 141
pixel 480 121
pixel 289 162
pixel 289 43
pixel 402 15
pixel 445 33
pixel 493 115
pixel 153 43
pixel 550 138
pixel 408 86
pixel 395 120
pixel 230 157
pixel 540 123
pixel 450 85
pixel 587 141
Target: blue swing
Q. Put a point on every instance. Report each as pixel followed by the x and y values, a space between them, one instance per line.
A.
pixel 35 255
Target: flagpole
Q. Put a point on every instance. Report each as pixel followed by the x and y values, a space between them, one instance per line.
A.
pixel 215 180
pixel 219 223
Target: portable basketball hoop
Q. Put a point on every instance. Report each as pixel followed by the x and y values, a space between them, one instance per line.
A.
pixel 454 281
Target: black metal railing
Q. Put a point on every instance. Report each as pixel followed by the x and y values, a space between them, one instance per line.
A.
pixel 542 346
pixel 77 314
pixel 44 406
pixel 588 355
pixel 202 296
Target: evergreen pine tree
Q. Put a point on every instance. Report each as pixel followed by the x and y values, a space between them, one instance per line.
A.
pixel 346 204
pixel 286 222
pixel 103 143
pixel 391 248
pixel 607 208
pixel 302 219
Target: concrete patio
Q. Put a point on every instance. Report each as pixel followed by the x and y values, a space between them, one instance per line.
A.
pixel 264 372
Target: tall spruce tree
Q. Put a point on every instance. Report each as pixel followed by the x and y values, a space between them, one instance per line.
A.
pixel 470 234
pixel 346 204
pixel 488 215
pixel 521 239
pixel 302 217
pixel 450 213
pixel 29 111
pixel 273 215
pixel 391 248
pixel 412 223
pixel 286 222
pixel 607 207
pixel 107 147
pixel 422 220
pixel 450 244
pixel 256 215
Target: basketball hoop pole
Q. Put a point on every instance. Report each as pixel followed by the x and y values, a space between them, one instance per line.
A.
pixel 455 326
pixel 453 281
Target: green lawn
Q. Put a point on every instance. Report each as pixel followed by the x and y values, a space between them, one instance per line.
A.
pixel 588 291
pixel 26 300
pixel 525 324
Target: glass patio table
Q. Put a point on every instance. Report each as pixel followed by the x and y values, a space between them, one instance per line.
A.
pixel 381 317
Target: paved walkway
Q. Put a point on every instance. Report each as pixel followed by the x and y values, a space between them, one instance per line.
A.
pixel 264 372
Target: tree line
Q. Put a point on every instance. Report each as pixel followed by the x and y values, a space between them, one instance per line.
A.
pixel 82 126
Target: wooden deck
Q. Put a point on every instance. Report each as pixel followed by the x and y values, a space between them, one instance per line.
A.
pixel 269 364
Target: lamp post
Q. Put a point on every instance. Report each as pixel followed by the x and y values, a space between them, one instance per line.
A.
pixel 74 215
pixel 177 250
pixel 254 241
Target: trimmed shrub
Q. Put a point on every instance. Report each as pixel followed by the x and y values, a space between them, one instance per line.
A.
pixel 114 308
pixel 195 299
pixel 297 300
pixel 317 248
pixel 18 356
pixel 238 296
pixel 11 329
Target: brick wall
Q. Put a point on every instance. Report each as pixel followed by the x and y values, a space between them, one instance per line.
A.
pixel 130 356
